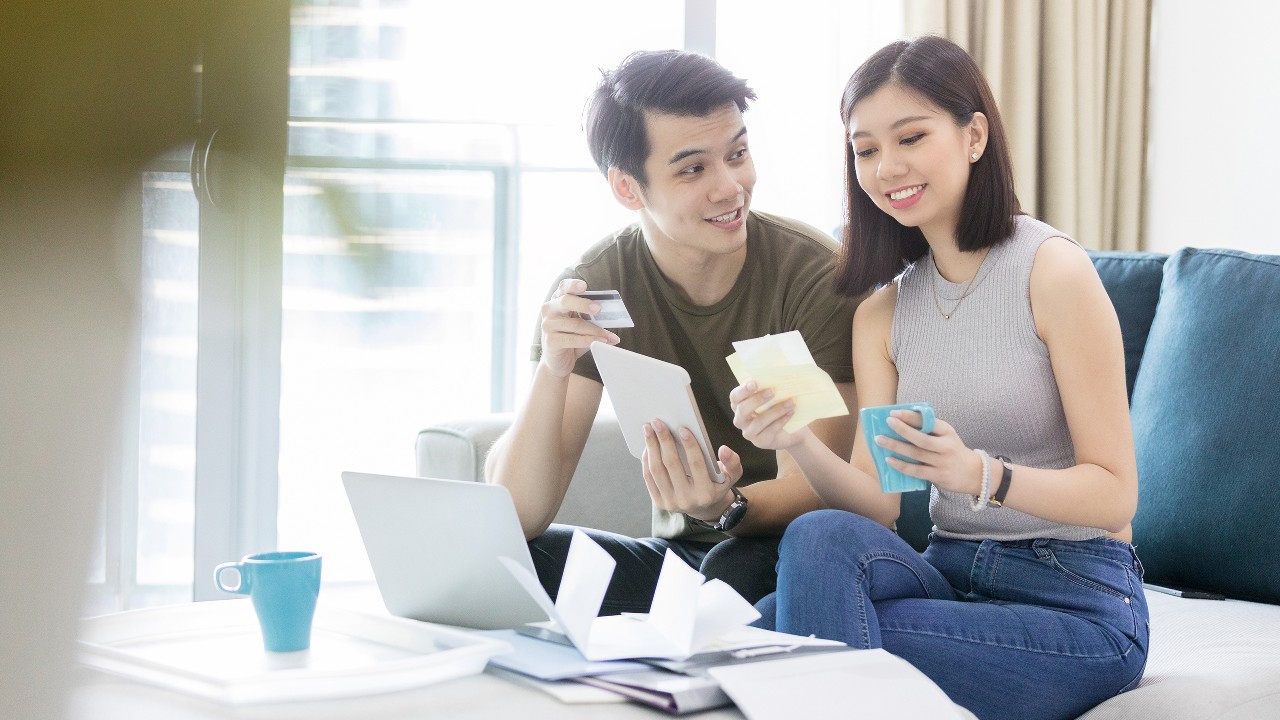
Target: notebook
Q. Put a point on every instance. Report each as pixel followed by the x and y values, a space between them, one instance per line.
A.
pixel 434 547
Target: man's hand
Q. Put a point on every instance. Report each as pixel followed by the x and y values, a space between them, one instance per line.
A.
pixel 565 334
pixel 691 490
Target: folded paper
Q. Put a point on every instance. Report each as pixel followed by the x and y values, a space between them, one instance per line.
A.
pixel 783 363
pixel 687 614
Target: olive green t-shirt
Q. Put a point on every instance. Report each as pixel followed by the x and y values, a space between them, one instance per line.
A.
pixel 786 284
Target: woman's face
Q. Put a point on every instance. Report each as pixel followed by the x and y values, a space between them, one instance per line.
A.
pixel 912 159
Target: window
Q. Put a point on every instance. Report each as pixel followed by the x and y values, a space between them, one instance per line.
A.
pixel 146 550
pixel 436 181
pixel 798 56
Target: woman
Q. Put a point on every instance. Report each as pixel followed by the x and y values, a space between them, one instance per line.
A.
pixel 1031 607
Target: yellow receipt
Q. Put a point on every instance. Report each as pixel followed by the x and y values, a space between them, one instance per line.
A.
pixel 783 363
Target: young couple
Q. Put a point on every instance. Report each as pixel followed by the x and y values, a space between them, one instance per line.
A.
pixel 1028 600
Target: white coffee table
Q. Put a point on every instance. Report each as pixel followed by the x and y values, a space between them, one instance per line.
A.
pixel 482 697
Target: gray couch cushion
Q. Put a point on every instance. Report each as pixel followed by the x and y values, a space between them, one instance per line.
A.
pixel 607 491
pixel 1205 409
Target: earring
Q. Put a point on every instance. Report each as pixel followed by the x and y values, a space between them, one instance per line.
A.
pixel 973 157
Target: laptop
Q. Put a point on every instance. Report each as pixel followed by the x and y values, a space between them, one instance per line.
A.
pixel 434 547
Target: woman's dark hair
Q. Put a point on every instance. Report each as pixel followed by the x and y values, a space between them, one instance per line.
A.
pixel 673 82
pixel 876 247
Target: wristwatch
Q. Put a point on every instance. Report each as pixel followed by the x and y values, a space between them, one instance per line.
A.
pixel 730 518
pixel 997 498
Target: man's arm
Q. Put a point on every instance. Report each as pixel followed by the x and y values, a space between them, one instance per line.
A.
pixel 772 504
pixel 535 459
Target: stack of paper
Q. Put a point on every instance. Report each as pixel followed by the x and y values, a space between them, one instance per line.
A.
pixel 783 363
pixel 692 626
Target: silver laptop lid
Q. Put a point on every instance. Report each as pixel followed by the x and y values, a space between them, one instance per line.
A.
pixel 434 547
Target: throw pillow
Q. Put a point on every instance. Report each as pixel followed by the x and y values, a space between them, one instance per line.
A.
pixel 1205 419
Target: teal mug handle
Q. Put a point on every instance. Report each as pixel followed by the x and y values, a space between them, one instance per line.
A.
pixel 927 419
pixel 243 588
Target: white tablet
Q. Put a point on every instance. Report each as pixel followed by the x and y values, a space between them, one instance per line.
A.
pixel 644 389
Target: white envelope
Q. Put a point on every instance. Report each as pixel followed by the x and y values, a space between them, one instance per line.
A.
pixel 687 614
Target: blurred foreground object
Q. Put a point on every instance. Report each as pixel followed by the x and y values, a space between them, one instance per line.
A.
pixel 89 92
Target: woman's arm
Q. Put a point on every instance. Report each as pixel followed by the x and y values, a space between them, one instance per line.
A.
pixel 1075 318
pixel 839 483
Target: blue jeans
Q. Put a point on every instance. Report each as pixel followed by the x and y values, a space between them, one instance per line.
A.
pixel 746 564
pixel 1020 629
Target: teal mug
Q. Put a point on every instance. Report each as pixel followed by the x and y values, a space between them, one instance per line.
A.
pixel 874 422
pixel 284 587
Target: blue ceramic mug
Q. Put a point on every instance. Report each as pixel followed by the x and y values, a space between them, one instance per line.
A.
pixel 284 587
pixel 874 422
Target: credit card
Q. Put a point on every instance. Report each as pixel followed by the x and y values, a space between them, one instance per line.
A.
pixel 613 313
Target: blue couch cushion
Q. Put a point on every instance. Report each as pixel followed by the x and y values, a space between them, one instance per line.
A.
pixel 1205 419
pixel 1132 279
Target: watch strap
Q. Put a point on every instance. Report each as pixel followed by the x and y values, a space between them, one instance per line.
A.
pixel 1006 479
pixel 731 516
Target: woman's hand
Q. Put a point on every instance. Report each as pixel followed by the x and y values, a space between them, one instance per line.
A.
pixel 565 334
pixel 763 428
pixel 944 459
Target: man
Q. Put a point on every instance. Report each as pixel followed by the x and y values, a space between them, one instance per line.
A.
pixel 698 271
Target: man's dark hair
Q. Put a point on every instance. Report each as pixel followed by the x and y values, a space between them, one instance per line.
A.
pixel 672 82
pixel 875 246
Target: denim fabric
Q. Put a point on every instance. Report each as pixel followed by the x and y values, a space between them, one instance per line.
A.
pixel 746 564
pixel 1021 629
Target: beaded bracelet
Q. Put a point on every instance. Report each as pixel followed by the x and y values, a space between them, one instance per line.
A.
pixel 980 500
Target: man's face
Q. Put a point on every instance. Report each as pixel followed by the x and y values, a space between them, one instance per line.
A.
pixel 700 181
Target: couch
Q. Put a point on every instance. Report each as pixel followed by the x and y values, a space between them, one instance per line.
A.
pixel 1201 333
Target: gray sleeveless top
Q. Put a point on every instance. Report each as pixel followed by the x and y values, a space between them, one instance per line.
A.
pixel 1000 396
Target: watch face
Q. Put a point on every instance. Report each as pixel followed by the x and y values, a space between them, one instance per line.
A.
pixel 733 515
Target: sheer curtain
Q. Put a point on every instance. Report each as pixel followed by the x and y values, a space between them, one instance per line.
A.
pixel 1071 80
pixel 798 56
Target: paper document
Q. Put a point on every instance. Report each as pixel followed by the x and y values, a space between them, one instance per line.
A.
pixel 861 683
pixel 687 614
pixel 551 661
pixel 783 363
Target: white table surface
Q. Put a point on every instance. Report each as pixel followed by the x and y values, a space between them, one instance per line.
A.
pixel 98 696
pixel 101 696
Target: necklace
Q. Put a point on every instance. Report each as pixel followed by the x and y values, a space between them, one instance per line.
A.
pixel 969 287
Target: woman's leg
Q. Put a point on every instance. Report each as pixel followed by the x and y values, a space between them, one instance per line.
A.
pixel 1047 628
pixel 834 567
pixel 1036 628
